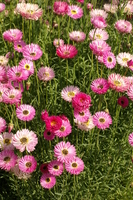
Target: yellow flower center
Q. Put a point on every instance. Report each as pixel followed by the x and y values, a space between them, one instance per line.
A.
pixel 53 123
pixel 56 167
pixel 23 140
pixel 117 83
pixel 124 59
pixel 98 36
pixel 48 180
pixel 12 96
pixel 27 66
pixel 71 94
pixel 62 128
pixel 74 12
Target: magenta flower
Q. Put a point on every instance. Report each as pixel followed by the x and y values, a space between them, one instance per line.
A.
pixel 32 51
pixel 75 12
pixel 27 164
pixel 66 51
pixel 98 22
pixel 77 36
pixel 130 139
pixel 12 35
pixel 25 139
pixel 48 135
pixel 2 73
pixel 16 73
pixel 123 101
pixel 44 168
pixel 47 181
pixel 18 86
pixel 65 129
pixel 60 8
pixel 109 60
pixel 46 74
pixel 2 125
pixel 69 92
pixel 44 115
pixel 25 112
pixel 99 47
pixel 100 86
pixel 130 64
pixel 102 120
pixel 2 7
pixel 82 116
pixel 55 168
pixel 12 96
pixel 18 45
pixel 74 166
pixel 81 101
pixel 80 1
pixel 27 65
pixel 7 159
pixel 53 123
pixel 123 26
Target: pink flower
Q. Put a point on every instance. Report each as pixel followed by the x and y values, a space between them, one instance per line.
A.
pixel 60 8
pixel 100 86
pixel 2 90
pixel 66 51
pixel 44 115
pixel 130 139
pixel 85 126
pixel 74 166
pixel 44 168
pixel 18 86
pixel 98 12
pixel 58 42
pixel 110 8
pixel 80 1
pixel 2 73
pixel 130 92
pixel 2 7
pixel 48 135
pixel 123 101
pixel 25 112
pixel 77 36
pixel 81 101
pixel 65 129
pixel 109 60
pixel 123 58
pixel 32 51
pixel 55 168
pixel 46 74
pixel 7 159
pixel 27 65
pixel 18 45
pixel 53 123
pixel 12 96
pixel 64 151
pixel 2 125
pixel 130 64
pixel 6 141
pixel 75 12
pixel 16 73
pixel 27 164
pixel 98 34
pixel 25 139
pixel 20 175
pixel 82 116
pixel 47 181
pixel 123 26
pixel 99 47
pixel 69 92
pixel 89 6
pixel 98 22
pixel 12 35
pixel 3 60
pixel 102 120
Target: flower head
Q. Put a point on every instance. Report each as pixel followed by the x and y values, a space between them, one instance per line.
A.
pixel 2 7
pixel 60 8
pixel 98 22
pixel 75 12
pixel 74 166
pixel 47 180
pixel 65 129
pixel 12 35
pixel 58 42
pixel 44 168
pixel 100 86
pixel 99 47
pixel 98 12
pixel 109 60
pixel 130 139
pixel 16 73
pixel 102 120
pixel 2 125
pixel 46 74
pixel 7 159
pixel 82 116
pixel 55 168
pixel 66 51
pixel 6 141
pixel 18 45
pixel 123 26
pixel 27 164
pixel 48 135
pixel 123 58
pixel 69 92
pixel 27 65
pixel 123 101
pixel 53 123
pixel 25 112
pixel 98 34
pixel 32 51
pixel 12 96
pixel 77 36
pixel 85 126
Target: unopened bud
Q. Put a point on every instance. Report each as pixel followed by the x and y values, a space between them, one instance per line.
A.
pixel 106 110
pixel 28 83
pixel 10 127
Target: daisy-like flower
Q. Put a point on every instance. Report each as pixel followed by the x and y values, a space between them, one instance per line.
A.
pixel 66 51
pixel 55 168
pixel 98 12
pixel 48 135
pixel 2 73
pixel 130 64
pixel 123 58
pixel 58 42
pixel 98 34
pixel 123 26
pixel 74 166
pixel 6 141
pixel 98 22
pixel 7 159
pixel 12 35
pixel 123 101
pixel 25 112
pixel 44 168
pixel 27 164
pixel 53 123
pixel 12 96
pixel 75 12
pixel 18 86
pixel 109 60
pixel 16 73
pixel 81 101
pixel 20 175
pixel 32 51
pixel 129 80
pixel 99 47
pixel 100 86
pixel 110 8
pixel 65 129
pixel 85 126
pixel 102 120
pixel 2 7
pixel 77 36
pixel 128 8
pixel 18 45
pixel 69 92
pixel 27 65
pixel 60 8
pixel 2 90
pixel 25 139
pixel 47 181
pixel 64 151
pixel 2 125
pixel 117 82
pixel 82 116
pixel 45 74
pixel 130 92
pixel 130 139
pixel 3 60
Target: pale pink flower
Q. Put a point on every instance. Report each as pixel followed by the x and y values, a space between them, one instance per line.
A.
pixel 99 47
pixel 25 112
pixel 12 96
pixel 3 60
pixel 130 92
pixel 20 175
pixel 123 26
pixel 55 168
pixel 116 2
pixel 65 129
pixel 2 7
pixel 16 73
pixel 2 90
pixel 98 34
pixel 89 6
pixel 85 126
pixel 2 125
pixel 18 45
pixel 7 159
pixel 60 8
pixel 6 141
pixel 66 51
pixel 128 8
pixel 27 164
pixel 109 60
pixel 58 42
pixel 74 166
pixel 25 140
pixel 82 116
pixel 69 92
pixel 100 86
pixel 75 12
pixel 102 120
pixel 27 65
pixel 98 22
pixel 12 35
pixel 123 58
pixel 45 74
pixel 98 12
pixel 47 181
pixel 77 36
pixel 110 8
pixel 64 151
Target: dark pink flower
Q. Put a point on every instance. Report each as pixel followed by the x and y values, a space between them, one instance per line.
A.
pixel 60 8
pixel 48 135
pixel 12 35
pixel 130 64
pixel 81 101
pixel 44 115
pixel 123 101
pixel 53 123
pixel 66 51
pixel 44 168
